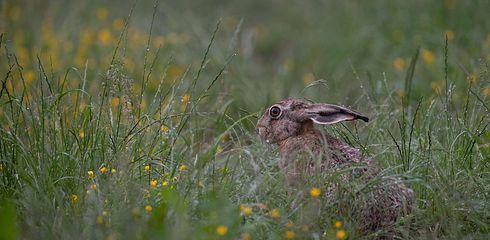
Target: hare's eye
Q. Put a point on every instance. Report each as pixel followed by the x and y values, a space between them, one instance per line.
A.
pixel 275 112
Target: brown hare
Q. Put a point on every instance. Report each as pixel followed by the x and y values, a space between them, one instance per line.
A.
pixel 305 151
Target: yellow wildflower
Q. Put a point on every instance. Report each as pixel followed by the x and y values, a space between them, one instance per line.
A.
pixel 118 24
pixel 290 234
pixel 450 35
pixel 94 186
pixel 308 78
pixel 246 210
pixel 341 234
pixel 337 224
pixel 315 192
pixel 105 36
pixel 275 214
pixel 90 174
pixel 164 184
pixel 174 179
pixel 225 138
pixel 74 199
pixel 428 56
pixel 147 168
pixel 101 13
pixel 164 129
pixel 148 208
pixel 185 99
pixel 182 167
pixel 81 133
pixel 399 64
pixel 115 102
pixel 99 220
pixel 222 230
pixel 29 77
pixel 113 171
pixel 401 93
pixel 153 183
pixel 103 170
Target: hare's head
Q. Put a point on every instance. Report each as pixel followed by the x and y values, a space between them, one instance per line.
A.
pixel 291 117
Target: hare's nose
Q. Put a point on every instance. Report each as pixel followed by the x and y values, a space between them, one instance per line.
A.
pixel 260 129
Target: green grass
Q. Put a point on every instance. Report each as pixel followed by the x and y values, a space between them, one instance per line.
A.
pixel 93 85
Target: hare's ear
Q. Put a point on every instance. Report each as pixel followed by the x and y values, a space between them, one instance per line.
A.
pixel 330 114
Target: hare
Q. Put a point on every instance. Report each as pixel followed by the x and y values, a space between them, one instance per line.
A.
pixel 305 151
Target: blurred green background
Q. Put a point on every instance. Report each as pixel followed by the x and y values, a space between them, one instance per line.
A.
pixel 281 46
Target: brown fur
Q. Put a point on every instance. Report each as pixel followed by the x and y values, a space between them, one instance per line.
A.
pixel 301 144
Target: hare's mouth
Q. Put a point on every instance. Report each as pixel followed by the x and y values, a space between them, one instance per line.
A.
pixel 263 133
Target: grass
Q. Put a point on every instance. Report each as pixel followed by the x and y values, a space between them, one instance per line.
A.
pixel 136 120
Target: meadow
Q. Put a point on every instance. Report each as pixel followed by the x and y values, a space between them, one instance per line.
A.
pixel 136 119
